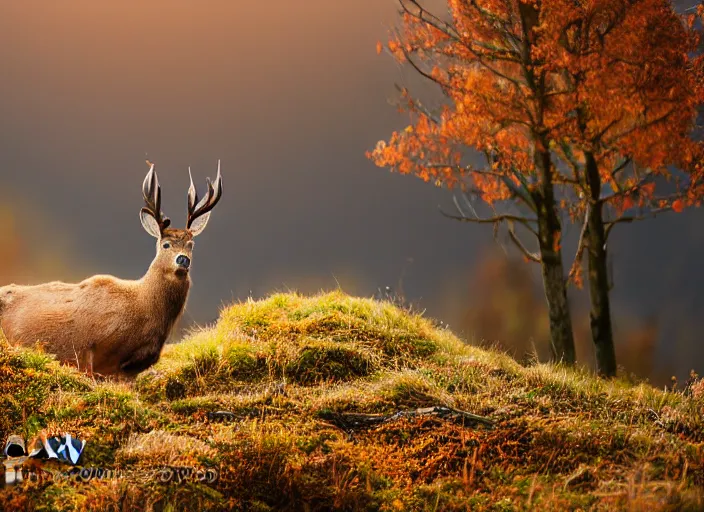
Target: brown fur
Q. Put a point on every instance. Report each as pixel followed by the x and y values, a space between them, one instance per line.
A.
pixel 103 324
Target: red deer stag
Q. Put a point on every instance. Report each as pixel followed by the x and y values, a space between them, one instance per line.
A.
pixel 107 325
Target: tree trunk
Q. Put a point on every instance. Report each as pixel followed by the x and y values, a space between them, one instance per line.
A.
pixel 554 282
pixel 549 227
pixel 600 315
pixel 561 339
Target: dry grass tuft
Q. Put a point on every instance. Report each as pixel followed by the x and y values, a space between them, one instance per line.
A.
pixel 160 447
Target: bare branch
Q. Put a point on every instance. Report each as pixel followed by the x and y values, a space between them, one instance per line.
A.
pixel 601 133
pixel 419 106
pixel 557 93
pixel 648 124
pixel 449 30
pixel 467 202
pixel 627 191
pixel 517 242
pixel 423 73
pixel 490 220
pixel 467 169
pixel 631 218
pixel 621 166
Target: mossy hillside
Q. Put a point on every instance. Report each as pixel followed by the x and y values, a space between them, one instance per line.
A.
pixel 27 380
pixel 562 439
pixel 294 339
pixel 37 393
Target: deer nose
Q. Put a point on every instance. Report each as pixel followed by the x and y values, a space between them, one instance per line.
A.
pixel 183 261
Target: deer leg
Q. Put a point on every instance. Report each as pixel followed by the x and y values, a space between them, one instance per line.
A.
pixel 86 361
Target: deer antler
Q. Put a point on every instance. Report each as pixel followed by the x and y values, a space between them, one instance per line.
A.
pixel 204 206
pixel 151 190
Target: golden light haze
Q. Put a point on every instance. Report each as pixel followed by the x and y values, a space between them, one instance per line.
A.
pixel 162 72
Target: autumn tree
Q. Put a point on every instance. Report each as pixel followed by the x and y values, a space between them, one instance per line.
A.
pixel 630 90
pixel 562 98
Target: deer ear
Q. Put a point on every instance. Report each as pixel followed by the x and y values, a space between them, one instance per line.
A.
pixel 150 224
pixel 198 225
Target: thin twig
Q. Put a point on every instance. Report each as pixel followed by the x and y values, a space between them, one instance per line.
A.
pixel 517 242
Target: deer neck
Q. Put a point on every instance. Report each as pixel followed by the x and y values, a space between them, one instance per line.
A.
pixel 164 294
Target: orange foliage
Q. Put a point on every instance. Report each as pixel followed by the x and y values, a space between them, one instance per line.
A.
pixel 610 78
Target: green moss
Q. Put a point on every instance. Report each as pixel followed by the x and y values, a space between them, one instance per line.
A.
pixel 329 362
pixel 27 379
pixel 188 406
pixel 412 390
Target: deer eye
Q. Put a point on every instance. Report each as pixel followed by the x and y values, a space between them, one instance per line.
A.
pixel 166 245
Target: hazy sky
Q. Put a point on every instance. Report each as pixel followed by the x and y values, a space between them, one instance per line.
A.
pixel 289 96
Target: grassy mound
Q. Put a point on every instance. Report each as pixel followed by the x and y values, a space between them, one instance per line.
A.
pixel 284 365
pixel 297 340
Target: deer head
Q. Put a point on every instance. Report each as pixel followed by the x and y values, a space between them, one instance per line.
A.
pixel 175 246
